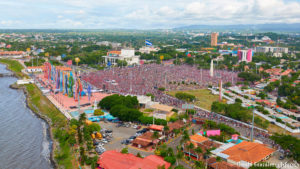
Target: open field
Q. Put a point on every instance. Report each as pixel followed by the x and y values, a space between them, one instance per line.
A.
pixel 204 98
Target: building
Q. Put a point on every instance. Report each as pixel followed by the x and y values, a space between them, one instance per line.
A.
pixel 223 165
pixel 214 39
pixel 244 154
pixel 271 49
pixel 245 55
pixel 35 69
pixel 162 111
pixel 116 160
pixel 125 54
pixel 107 43
pixel 12 54
pixel 148 49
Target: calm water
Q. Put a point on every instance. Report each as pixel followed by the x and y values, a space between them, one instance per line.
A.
pixel 24 143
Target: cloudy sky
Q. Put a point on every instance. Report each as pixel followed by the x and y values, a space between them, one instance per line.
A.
pixel 143 14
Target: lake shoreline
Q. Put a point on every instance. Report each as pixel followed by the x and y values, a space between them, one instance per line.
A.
pixel 37 114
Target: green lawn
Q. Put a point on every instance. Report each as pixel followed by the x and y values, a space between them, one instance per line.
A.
pixel 15 66
pixel 204 98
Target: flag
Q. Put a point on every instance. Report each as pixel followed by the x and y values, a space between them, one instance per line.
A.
pixel 148 43
pixel 108 63
pixel 69 62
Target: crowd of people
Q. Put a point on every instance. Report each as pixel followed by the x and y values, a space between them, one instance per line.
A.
pixel 144 79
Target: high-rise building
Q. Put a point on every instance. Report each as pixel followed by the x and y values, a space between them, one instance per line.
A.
pixel 214 39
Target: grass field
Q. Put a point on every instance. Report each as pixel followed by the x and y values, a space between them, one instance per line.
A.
pixel 15 66
pixel 204 98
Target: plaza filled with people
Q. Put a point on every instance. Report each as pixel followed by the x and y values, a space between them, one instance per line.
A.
pixel 149 78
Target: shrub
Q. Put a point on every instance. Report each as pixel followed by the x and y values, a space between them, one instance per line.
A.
pixel 98 112
pixel 185 96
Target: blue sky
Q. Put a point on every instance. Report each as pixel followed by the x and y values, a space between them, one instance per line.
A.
pixel 143 14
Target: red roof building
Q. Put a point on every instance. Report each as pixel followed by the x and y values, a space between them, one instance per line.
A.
pixel 116 160
pixel 156 127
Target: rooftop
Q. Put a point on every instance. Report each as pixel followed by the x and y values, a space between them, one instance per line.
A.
pixel 198 138
pixel 156 127
pixel 116 160
pixel 248 151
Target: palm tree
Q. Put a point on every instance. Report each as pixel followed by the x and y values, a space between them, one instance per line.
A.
pixel 179 156
pixel 198 150
pixel 199 164
pixel 189 147
pixel 166 130
pixel 185 137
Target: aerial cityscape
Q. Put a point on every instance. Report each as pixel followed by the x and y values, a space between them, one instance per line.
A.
pixel 181 84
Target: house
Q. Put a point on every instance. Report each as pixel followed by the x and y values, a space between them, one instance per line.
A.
pixel 223 165
pixel 154 127
pixel 177 125
pixel 116 160
pixel 246 153
pixel 162 111
pixel 12 54
pixel 145 141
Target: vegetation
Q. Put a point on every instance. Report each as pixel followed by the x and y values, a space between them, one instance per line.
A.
pixel 185 96
pixel 98 112
pixel 289 143
pixel 127 101
pixel 14 66
pixel 204 97
pixel 236 111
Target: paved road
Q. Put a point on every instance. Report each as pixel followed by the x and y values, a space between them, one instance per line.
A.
pixel 175 142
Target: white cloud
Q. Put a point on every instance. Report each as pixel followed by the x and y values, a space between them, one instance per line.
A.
pixel 148 13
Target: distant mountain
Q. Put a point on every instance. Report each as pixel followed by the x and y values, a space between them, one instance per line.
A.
pixel 251 27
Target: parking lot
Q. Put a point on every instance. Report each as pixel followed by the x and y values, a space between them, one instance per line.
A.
pixel 119 134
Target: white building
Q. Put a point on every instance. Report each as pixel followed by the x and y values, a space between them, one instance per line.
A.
pixel 125 54
pixel 107 43
pixel 266 49
pixel 148 49
pixel 34 69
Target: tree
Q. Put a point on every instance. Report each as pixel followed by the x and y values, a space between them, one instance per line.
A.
pixel 121 63
pixel 179 156
pixel 199 164
pixel 179 167
pixel 189 147
pixel 139 155
pixel 198 150
pixel 124 150
pixel 155 135
pixel 98 112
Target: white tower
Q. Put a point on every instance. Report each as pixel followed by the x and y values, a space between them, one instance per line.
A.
pixel 212 68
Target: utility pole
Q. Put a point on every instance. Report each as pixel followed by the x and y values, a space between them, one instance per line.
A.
pixel 252 125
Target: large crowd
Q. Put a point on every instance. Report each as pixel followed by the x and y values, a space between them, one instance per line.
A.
pixel 144 79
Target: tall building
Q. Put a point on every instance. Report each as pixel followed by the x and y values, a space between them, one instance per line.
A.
pixel 214 39
pixel 245 55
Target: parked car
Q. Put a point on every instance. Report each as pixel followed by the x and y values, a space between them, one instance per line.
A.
pixel 138 127
pixel 281 157
pixel 132 138
pixel 126 142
